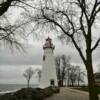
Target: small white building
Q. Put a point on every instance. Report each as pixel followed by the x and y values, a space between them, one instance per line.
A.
pixel 48 76
pixel 97 78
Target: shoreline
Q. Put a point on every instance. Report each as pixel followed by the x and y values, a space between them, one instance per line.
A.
pixel 11 91
pixel 10 88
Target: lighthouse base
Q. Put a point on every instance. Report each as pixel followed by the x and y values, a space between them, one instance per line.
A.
pixel 48 83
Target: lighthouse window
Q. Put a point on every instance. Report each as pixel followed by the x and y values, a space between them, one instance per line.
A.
pixel 52 82
pixel 43 58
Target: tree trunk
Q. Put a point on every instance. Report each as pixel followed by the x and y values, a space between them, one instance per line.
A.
pixel 72 83
pixel 28 84
pixel 78 83
pixel 65 82
pixel 61 82
pixel 93 95
pixel 92 87
pixel 68 79
pixel 68 82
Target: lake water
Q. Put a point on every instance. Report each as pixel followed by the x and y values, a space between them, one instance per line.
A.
pixel 12 87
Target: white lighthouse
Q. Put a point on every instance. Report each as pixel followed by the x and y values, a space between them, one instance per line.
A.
pixel 48 76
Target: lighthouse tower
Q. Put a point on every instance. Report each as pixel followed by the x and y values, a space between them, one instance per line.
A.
pixel 48 76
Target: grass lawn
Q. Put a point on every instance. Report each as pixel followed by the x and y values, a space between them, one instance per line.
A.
pixel 85 88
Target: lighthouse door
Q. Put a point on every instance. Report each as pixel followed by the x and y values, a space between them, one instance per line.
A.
pixel 52 82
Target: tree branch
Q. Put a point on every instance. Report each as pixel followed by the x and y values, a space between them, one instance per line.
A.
pixel 71 36
pixel 79 50
pixel 96 44
pixel 71 23
pixel 82 5
pixel 29 5
pixel 56 23
pixel 82 26
pixel 94 11
pixel 5 5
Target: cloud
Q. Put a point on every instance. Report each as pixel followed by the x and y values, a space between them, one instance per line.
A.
pixel 32 56
pixel 34 53
pixel 12 74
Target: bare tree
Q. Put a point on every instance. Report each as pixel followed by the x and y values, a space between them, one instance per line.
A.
pixel 62 63
pixel 39 72
pixel 58 62
pixel 6 4
pixel 80 75
pixel 28 74
pixel 75 24
pixel 9 33
pixel 72 75
pixel 64 67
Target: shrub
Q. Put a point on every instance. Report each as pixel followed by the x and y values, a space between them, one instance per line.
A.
pixel 30 94
pixel 8 96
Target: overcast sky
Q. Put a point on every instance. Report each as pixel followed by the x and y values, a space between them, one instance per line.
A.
pixel 13 64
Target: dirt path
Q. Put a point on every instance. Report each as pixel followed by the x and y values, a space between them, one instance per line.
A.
pixel 69 94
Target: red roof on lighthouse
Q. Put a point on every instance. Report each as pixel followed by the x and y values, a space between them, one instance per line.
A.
pixel 48 43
